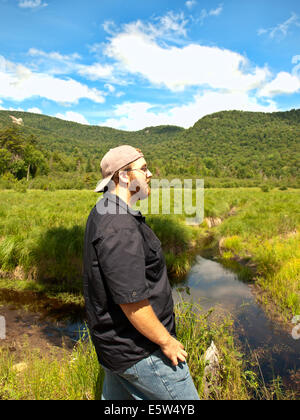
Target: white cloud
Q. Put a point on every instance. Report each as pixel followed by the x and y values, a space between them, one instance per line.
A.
pixel 217 11
pixel 11 108
pixel 282 28
pixel 110 87
pixel 31 4
pixel 262 31
pixel 73 116
pixel 284 83
pixel 171 25
pixel 17 82
pixel 177 68
pixel 53 55
pixel 171 22
pixel 296 68
pixel 295 59
pixel 190 4
pixel 110 27
pixel 35 110
pixel 119 94
pixel 136 116
pixel 95 71
pixel 206 14
pixel 55 63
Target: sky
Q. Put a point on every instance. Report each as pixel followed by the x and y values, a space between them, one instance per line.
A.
pixel 139 63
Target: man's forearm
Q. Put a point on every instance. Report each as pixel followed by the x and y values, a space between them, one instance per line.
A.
pixel 144 319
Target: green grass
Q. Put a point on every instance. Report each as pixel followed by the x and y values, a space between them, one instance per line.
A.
pixel 42 233
pixel 75 376
pixel 78 376
pixel 266 231
pixel 41 237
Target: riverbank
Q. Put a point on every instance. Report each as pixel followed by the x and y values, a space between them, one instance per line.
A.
pixel 263 237
pixel 263 341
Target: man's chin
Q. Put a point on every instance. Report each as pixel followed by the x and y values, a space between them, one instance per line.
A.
pixel 146 194
pixel 140 195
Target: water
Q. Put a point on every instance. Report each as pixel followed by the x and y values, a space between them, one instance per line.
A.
pixel 217 287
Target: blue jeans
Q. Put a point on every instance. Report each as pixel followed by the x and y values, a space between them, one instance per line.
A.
pixel 152 378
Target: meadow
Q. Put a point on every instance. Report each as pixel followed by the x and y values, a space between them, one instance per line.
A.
pixel 41 239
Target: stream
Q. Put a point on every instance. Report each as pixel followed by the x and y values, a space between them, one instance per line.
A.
pixel 213 286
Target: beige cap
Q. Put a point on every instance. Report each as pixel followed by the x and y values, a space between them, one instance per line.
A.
pixel 114 160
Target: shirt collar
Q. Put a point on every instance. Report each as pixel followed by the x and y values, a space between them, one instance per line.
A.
pixel 118 201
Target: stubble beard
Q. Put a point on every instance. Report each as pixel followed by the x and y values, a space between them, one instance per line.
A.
pixel 139 190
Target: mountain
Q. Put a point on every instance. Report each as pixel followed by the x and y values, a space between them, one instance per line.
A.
pixel 244 144
pixel 229 143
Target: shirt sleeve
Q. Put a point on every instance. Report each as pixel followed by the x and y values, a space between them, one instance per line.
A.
pixel 122 261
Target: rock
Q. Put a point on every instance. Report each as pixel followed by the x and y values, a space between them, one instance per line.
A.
pixel 212 368
pixel 213 221
pixel 19 273
pixel 18 121
pixel 221 244
pixel 232 211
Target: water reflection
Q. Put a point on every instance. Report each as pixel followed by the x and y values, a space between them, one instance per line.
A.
pixel 215 286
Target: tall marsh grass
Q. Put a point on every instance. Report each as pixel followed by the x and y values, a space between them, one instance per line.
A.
pixel 266 231
pixel 41 236
pixel 56 376
pixel 42 233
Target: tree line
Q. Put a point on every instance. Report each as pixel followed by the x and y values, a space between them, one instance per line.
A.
pixel 234 144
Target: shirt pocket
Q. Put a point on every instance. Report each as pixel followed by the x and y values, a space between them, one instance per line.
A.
pixel 154 260
pixel 151 239
pixel 153 250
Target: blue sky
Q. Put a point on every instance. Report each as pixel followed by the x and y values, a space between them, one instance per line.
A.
pixel 132 64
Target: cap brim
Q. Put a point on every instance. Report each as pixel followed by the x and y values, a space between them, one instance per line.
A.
pixel 102 184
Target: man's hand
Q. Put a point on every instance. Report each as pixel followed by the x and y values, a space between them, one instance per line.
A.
pixel 144 319
pixel 174 350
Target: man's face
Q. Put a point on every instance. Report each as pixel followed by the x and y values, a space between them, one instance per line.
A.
pixel 140 177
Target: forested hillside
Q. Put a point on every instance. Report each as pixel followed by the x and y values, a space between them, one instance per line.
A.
pixel 232 144
pixel 243 144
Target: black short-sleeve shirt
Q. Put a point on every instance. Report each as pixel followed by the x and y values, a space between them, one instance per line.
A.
pixel 122 263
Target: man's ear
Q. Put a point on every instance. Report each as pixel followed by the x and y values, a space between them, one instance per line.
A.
pixel 123 178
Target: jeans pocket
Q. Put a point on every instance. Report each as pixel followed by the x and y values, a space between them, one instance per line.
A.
pixel 165 365
pixel 130 374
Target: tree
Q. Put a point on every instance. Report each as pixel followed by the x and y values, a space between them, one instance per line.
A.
pixel 78 158
pixel 5 159
pixel 33 158
pixel 88 166
pixel 19 154
pixel 12 140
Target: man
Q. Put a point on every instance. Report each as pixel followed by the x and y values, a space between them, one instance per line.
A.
pixel 128 297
